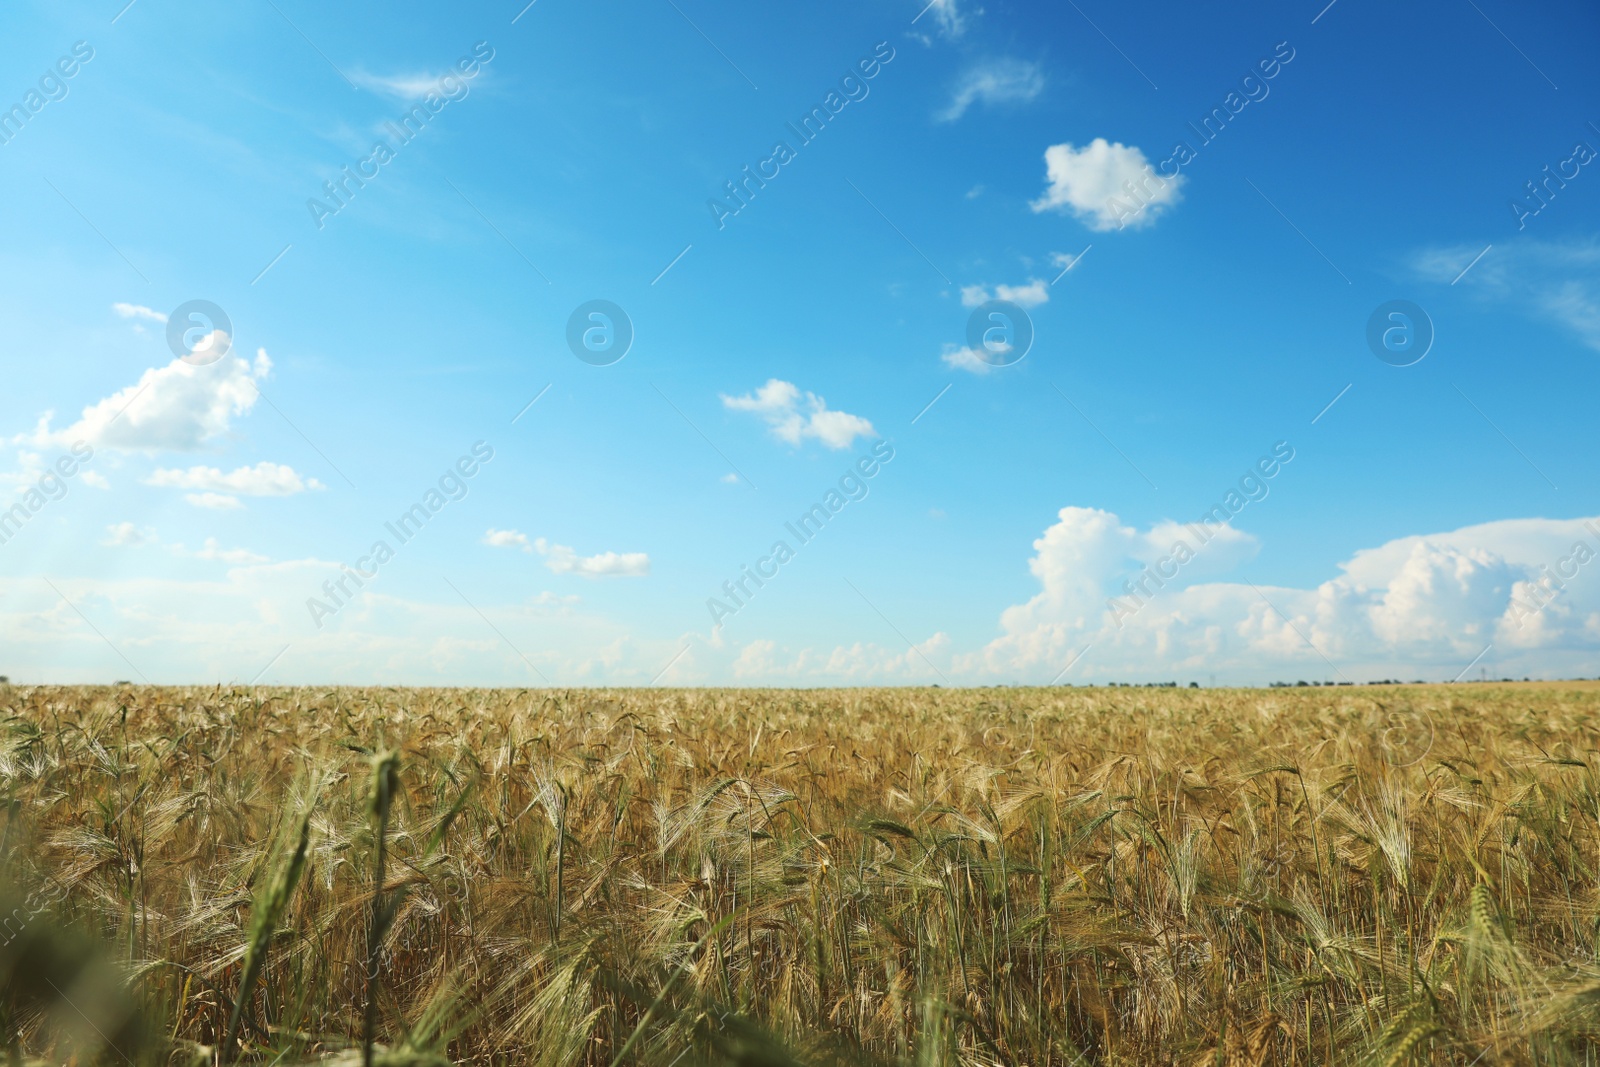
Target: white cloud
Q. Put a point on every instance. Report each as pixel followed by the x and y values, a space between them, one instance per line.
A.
pixel 1033 294
pixel 230 620
pixel 1546 280
pixel 1425 604
pixel 127 535
pixel 176 408
pixel 138 311
pixel 1066 262
pixel 212 551
pixel 755 660
pixel 408 87
pixel 730 479
pixel 31 466
pixel 264 479
pixel 215 501
pixel 563 560
pixel 946 15
pixel 1097 184
pixel 1414 607
pixel 794 419
pixel 960 357
pixel 507 539
pixel 761 660
pixel 863 661
pixel 998 81
pixel 32 469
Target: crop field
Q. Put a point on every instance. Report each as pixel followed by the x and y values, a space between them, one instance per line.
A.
pixel 1040 877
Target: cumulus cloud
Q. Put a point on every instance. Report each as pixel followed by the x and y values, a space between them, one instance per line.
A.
pixel 263 479
pixel 1033 294
pixel 1424 606
pixel 1097 184
pixel 176 408
pixel 998 81
pixel 214 501
pixel 138 311
pixel 1549 281
pixel 561 559
pixel 1431 603
pixel 794 416
pixel 507 539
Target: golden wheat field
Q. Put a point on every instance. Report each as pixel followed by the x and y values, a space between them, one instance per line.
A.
pixel 1041 877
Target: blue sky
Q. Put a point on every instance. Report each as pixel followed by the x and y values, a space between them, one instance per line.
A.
pixel 1428 524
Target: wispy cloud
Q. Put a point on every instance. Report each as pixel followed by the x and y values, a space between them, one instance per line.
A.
pixel 138 311
pixel 128 535
pixel 216 553
pixel 1546 280
pixel 995 81
pixel 946 16
pixel 214 501
pixel 407 87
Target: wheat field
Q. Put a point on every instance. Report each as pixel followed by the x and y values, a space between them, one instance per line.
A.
pixel 1041 877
